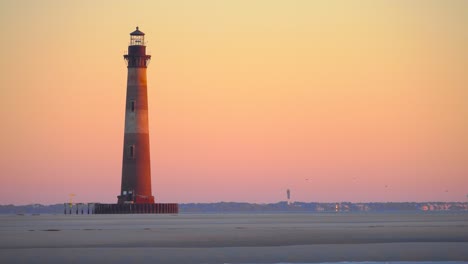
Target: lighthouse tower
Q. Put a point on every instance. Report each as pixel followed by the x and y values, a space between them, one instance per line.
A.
pixel 136 171
pixel 135 193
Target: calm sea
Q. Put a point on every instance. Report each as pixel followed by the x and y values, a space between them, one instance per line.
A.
pixel 379 262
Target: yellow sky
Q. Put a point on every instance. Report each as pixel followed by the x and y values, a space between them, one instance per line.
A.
pixel 247 99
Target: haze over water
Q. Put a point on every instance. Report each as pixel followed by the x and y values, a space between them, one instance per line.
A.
pixel 336 100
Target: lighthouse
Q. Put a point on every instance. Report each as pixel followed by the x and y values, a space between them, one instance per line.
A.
pixel 136 168
pixel 135 195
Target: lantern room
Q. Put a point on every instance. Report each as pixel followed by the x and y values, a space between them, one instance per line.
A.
pixel 137 38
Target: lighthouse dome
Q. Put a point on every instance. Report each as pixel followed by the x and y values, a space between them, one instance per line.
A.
pixel 137 32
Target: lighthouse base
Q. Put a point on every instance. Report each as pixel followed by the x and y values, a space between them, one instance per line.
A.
pixel 137 199
pixel 143 208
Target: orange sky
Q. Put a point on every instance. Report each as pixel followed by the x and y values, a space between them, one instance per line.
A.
pixel 336 100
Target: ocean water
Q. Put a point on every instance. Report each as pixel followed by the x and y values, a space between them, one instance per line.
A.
pixel 379 262
pixel 374 262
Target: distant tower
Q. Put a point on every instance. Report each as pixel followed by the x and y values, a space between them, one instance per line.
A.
pixel 288 194
pixel 136 171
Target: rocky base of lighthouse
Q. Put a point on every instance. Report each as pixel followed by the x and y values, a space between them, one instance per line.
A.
pixel 148 208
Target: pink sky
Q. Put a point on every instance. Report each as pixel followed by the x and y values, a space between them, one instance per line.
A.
pixel 336 100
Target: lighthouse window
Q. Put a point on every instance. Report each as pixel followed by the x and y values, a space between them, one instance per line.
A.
pixel 132 151
pixel 132 107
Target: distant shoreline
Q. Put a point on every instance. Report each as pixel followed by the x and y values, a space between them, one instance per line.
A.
pixel 280 207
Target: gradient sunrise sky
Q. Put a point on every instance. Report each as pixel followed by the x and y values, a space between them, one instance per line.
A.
pixel 336 100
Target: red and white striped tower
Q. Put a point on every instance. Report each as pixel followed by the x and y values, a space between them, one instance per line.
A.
pixel 136 170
